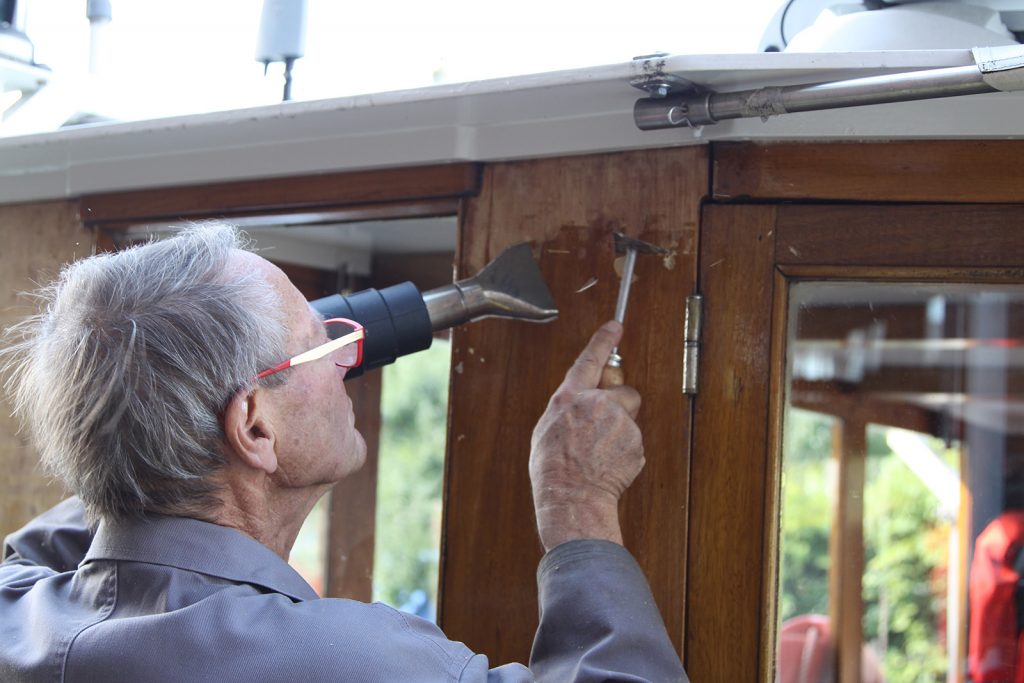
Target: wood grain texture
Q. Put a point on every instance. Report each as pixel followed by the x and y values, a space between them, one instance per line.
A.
pixel 505 371
pixel 773 478
pixel 729 461
pixel 36 240
pixel 289 194
pixel 902 321
pixel 846 547
pixel 426 270
pixel 903 236
pixel 842 401
pixel 982 171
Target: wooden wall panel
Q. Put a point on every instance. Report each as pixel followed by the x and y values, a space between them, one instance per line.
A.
pixel 908 171
pixel 35 241
pixel 504 372
pixel 428 270
pixel 729 464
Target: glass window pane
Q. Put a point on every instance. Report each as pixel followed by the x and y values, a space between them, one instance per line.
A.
pixel 414 410
pixel 902 499
pixel 807 515
pixel 911 512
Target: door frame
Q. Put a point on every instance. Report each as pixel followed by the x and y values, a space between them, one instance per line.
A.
pixel 750 253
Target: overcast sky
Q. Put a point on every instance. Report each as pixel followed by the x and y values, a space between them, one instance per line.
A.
pixel 188 56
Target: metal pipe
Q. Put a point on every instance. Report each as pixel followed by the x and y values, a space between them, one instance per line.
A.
pixel 452 305
pixel 615 360
pixel 698 109
pixel 627 279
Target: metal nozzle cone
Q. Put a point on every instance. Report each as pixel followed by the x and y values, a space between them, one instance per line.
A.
pixel 510 286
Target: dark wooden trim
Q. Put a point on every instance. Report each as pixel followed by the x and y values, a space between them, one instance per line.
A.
pixel 773 477
pixel 831 399
pixel 427 270
pixel 283 195
pixel 908 236
pixel 990 382
pixel 846 547
pixel 811 271
pixel 902 321
pixel 975 171
pixel 105 241
pixel 729 455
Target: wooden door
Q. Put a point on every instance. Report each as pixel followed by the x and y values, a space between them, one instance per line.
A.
pixel 505 371
pixel 754 258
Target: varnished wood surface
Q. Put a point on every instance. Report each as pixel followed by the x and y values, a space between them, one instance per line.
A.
pixel 846 547
pixel 37 240
pixel 968 171
pixel 839 401
pixel 426 270
pixel 504 373
pixel 902 321
pixel 901 236
pixel 246 197
pixel 729 470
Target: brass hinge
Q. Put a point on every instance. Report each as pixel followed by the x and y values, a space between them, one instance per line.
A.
pixel 691 345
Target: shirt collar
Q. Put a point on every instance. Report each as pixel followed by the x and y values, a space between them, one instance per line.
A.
pixel 198 546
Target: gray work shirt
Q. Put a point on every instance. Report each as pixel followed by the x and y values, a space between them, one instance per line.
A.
pixel 176 599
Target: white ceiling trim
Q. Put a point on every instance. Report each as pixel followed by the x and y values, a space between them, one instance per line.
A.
pixel 560 113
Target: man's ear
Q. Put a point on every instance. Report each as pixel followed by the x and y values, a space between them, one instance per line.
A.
pixel 248 430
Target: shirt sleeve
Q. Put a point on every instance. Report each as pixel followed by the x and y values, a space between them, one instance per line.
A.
pixel 57 539
pixel 598 619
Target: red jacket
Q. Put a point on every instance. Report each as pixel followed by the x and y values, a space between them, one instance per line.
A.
pixel 996 652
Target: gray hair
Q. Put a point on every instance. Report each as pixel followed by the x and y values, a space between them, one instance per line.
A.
pixel 123 377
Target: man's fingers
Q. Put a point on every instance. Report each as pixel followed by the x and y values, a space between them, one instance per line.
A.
pixel 585 373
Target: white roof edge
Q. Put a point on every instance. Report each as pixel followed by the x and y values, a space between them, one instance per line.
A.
pixel 559 113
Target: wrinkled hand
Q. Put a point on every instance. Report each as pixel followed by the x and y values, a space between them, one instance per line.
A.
pixel 586 450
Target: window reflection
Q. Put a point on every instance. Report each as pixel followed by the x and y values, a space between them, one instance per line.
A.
pixel 902 501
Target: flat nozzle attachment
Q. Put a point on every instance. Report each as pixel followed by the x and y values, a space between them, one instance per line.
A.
pixel 510 286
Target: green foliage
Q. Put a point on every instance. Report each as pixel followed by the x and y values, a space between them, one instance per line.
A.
pixel 904 581
pixel 905 549
pixel 414 406
pixel 806 513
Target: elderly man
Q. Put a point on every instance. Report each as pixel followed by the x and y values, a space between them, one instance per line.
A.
pixel 155 385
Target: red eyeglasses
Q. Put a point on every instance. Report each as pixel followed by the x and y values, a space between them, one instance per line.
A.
pixel 346 344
